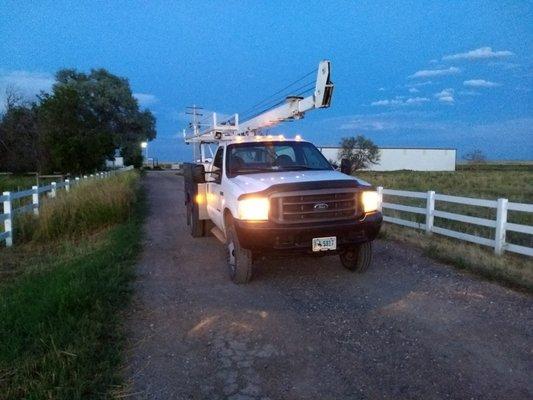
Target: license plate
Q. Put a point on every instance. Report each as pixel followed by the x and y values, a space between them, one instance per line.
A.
pixel 325 243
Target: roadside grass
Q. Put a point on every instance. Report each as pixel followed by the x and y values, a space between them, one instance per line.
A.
pixel 61 300
pixel 90 205
pixel 511 270
pixel 485 181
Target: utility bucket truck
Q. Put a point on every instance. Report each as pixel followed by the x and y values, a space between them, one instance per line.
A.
pixel 266 194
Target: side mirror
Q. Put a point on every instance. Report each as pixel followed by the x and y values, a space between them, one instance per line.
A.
pixel 198 173
pixel 346 166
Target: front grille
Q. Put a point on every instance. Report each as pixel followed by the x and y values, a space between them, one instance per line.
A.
pixel 314 205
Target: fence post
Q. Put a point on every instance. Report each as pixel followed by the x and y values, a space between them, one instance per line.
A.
pixel 8 223
pixel 67 184
pixel 53 191
pixel 501 221
pixel 380 198
pixel 430 211
pixel 35 199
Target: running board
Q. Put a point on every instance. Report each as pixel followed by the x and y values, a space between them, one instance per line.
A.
pixel 219 234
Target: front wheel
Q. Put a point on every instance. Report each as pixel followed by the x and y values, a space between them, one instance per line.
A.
pixel 357 257
pixel 239 259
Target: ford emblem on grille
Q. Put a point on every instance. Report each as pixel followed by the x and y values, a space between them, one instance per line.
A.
pixel 320 206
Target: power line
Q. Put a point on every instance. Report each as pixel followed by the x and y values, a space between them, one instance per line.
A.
pixel 279 91
pixel 306 88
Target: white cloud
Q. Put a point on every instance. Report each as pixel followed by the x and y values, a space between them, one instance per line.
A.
pixel 416 100
pixel 386 103
pixel 418 84
pixel 479 54
pixel 400 101
pixel 426 73
pixel 382 89
pixel 413 90
pixel 145 99
pixel 480 83
pixel 445 96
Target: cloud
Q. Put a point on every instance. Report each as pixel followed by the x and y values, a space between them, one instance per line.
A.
pixel 479 54
pixel 400 101
pixel 480 83
pixel 445 96
pixel 386 103
pixel 145 99
pixel 426 73
pixel 413 90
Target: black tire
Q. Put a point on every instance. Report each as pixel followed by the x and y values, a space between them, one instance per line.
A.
pixel 196 225
pixel 357 258
pixel 240 261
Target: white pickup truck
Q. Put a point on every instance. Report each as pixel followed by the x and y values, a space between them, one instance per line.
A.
pixel 261 195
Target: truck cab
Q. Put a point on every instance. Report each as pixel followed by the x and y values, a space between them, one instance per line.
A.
pixel 263 195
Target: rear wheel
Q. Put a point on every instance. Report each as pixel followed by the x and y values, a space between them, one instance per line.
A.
pixel 196 225
pixel 239 259
pixel 358 257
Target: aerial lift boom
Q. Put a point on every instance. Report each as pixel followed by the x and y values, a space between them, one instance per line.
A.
pixel 294 107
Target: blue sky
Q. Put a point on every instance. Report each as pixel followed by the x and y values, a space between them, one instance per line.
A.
pixel 407 74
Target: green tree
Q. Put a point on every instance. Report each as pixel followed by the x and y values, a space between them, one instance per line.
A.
pixel 360 151
pixel 88 116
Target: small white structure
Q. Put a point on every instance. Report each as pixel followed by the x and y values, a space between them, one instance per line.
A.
pixel 415 159
pixel 116 162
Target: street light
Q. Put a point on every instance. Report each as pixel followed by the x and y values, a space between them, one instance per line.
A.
pixel 144 146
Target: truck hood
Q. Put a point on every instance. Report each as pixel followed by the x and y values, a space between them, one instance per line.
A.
pixel 258 182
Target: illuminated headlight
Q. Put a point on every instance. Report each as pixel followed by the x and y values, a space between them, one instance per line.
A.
pixel 370 201
pixel 254 209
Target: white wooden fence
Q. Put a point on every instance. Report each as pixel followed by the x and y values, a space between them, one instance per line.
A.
pixel 7 198
pixel 500 224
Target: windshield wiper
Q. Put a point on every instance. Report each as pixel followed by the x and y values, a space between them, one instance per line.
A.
pixel 300 167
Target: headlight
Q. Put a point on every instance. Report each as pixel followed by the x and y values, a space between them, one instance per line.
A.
pixel 254 209
pixel 370 201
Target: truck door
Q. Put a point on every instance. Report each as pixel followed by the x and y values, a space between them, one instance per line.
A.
pixel 215 195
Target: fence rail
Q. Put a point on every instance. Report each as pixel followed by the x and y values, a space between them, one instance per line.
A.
pixel 500 224
pixel 9 210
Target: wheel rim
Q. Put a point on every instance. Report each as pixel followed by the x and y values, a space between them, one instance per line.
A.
pixel 231 256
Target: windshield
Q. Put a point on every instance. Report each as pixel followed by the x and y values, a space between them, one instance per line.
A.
pixel 256 157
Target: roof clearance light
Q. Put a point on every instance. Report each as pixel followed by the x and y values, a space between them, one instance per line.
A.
pixel 298 137
pixel 281 137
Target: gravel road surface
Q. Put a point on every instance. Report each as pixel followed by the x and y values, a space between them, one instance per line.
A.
pixel 305 328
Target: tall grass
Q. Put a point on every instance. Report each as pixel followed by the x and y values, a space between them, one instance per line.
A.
pixel 60 317
pixel 88 206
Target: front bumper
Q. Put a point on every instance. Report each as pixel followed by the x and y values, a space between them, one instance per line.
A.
pixel 270 236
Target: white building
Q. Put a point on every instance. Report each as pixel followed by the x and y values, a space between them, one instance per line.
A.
pixel 415 159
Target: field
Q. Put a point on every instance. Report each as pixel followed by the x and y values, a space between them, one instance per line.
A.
pixel 484 181
pixel 62 288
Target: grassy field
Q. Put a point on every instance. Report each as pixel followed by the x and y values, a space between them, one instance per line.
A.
pixel 489 182
pixel 62 289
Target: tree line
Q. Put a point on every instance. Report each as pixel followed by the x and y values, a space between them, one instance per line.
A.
pixel 76 127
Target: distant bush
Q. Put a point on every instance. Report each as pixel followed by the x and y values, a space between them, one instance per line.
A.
pixel 85 208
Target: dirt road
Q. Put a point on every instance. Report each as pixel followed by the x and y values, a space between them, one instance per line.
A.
pixel 305 328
